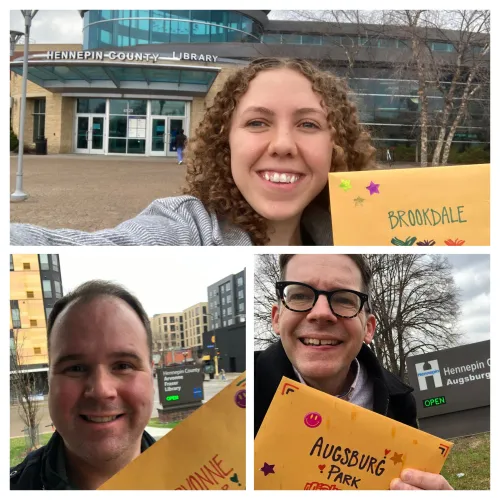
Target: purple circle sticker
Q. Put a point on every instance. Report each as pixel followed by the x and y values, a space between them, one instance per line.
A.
pixel 313 419
pixel 240 398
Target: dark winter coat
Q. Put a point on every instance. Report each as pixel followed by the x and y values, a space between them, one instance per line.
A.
pixel 45 468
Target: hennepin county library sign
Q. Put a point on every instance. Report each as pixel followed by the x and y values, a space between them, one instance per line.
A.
pixel 98 55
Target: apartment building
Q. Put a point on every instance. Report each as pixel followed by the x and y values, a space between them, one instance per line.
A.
pixel 226 301
pixel 35 286
pixel 195 321
pixel 168 331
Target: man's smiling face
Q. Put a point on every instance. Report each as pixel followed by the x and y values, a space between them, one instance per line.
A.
pixel 339 339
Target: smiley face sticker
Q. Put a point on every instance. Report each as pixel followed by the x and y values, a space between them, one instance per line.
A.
pixel 313 419
pixel 240 398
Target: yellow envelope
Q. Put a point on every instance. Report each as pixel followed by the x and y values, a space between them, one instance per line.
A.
pixel 204 452
pixel 310 440
pixel 414 206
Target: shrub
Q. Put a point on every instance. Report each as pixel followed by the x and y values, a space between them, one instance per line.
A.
pixel 470 156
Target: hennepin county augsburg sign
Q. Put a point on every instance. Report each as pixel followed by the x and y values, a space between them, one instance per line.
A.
pixel 99 55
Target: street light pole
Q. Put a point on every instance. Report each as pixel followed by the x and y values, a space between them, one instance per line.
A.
pixel 19 194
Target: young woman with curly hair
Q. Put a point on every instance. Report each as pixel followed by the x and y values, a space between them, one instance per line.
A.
pixel 257 168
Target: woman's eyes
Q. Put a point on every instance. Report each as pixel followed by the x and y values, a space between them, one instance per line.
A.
pixel 309 125
pixel 256 123
pixel 260 123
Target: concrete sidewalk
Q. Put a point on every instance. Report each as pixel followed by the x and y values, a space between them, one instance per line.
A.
pixel 91 192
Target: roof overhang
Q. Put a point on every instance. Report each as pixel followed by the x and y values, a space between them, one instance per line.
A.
pixel 119 77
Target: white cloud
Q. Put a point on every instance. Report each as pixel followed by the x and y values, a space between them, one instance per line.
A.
pixel 51 26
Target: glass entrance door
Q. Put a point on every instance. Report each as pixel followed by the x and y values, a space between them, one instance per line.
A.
pixel 90 134
pixel 158 136
pixel 175 125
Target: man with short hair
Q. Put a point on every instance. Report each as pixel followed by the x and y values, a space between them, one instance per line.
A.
pixel 325 324
pixel 101 390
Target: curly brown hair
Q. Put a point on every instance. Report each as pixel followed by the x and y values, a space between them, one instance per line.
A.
pixel 208 154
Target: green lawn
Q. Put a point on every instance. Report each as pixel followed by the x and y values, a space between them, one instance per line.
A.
pixel 18 451
pixel 155 422
pixel 470 456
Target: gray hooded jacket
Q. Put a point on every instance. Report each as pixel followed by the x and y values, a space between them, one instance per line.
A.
pixel 181 220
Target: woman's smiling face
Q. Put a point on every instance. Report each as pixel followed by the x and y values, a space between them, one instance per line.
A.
pixel 281 144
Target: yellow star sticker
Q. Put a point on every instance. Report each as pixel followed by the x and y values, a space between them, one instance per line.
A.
pixel 345 185
pixel 359 201
pixel 397 458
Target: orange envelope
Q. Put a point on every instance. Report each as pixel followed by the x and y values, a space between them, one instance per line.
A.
pixel 412 207
pixel 204 452
pixel 310 440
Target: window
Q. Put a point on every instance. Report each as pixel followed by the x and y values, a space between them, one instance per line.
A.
pixel 229 299
pixel 242 319
pixel 38 119
pixel 223 301
pixel 48 310
pixel 165 328
pixel 197 321
pixel 55 262
pixel 229 311
pixel 241 307
pixel 205 329
pixel 241 294
pixel 172 328
pixel 164 320
pixel 199 339
pixel 228 287
pixel 240 281
pixel 37 350
pixel 172 319
pixel 16 316
pixel 198 330
pixel 180 319
pixel 47 289
pixel 57 287
pixel 44 262
pixel 33 322
pixel 224 322
pixel 229 322
pixel 26 266
pixel 11 263
pixel 30 295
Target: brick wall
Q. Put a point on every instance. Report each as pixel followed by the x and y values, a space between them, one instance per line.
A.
pixel 167 416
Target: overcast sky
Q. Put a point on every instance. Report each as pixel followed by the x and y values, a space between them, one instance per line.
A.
pixel 472 275
pixel 164 280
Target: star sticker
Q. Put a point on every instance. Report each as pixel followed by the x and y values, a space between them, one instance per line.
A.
pixel 345 185
pixel 359 201
pixel 397 458
pixel 373 188
pixel 267 469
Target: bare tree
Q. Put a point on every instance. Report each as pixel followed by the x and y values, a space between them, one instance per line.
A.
pixel 267 273
pixel 456 77
pixel 416 304
pixel 24 387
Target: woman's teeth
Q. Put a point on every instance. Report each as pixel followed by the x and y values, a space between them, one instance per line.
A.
pixel 281 178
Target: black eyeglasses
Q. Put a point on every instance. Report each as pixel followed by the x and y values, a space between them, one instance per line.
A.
pixel 299 297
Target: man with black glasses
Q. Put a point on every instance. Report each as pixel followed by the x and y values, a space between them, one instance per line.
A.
pixel 324 322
